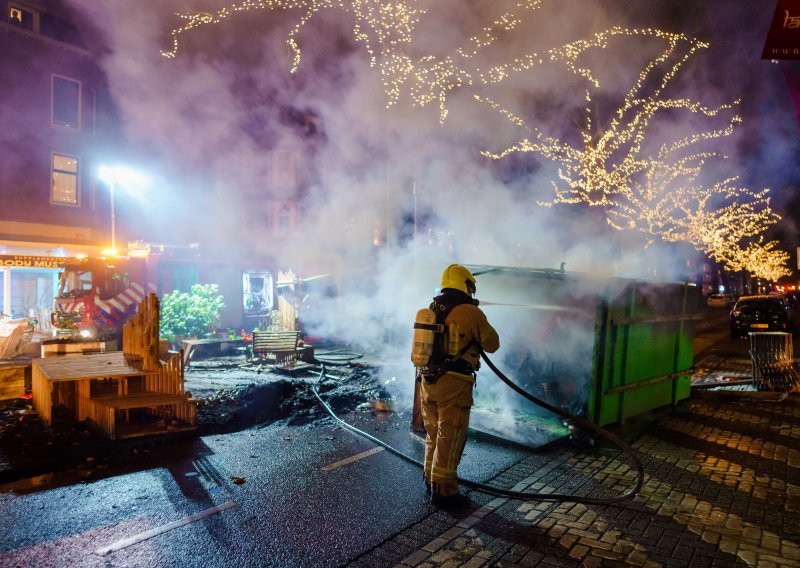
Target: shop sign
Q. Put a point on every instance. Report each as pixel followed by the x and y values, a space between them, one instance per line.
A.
pixel 30 261
pixel 783 39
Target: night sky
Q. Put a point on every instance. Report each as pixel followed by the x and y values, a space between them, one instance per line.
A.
pixel 205 121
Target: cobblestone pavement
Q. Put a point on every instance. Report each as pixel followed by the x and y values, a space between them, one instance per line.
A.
pixel 722 488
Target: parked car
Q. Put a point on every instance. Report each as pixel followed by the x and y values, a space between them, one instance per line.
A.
pixel 793 298
pixel 720 300
pixel 760 313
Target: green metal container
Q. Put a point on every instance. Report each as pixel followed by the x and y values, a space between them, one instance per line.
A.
pixel 608 350
pixel 643 350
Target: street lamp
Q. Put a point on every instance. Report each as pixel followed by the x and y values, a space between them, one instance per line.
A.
pixel 125 178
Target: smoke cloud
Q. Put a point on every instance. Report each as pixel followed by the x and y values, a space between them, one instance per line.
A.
pixel 393 194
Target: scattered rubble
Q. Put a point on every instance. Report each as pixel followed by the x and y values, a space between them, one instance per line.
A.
pixel 230 396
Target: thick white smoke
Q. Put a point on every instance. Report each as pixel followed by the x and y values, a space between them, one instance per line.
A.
pixel 391 193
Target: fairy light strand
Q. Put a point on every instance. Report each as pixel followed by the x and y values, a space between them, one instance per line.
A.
pixel 385 29
pixel 658 195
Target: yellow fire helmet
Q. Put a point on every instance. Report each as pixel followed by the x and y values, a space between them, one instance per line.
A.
pixel 457 277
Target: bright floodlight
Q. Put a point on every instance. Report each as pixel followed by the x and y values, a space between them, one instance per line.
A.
pixel 123 177
pixel 126 178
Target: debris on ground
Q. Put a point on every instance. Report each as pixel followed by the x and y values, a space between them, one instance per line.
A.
pixel 230 397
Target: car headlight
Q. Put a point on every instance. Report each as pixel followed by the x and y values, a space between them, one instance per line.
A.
pixel 736 313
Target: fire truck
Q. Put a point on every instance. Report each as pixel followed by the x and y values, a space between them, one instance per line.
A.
pixel 97 295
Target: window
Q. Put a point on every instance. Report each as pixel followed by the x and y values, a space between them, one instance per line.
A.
pixel 283 169
pixel 115 282
pixel 89 118
pixel 75 283
pixel 23 17
pixel 284 218
pixel 66 102
pixel 257 293
pixel 65 180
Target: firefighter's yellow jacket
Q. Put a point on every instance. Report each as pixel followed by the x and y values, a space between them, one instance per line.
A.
pixel 466 322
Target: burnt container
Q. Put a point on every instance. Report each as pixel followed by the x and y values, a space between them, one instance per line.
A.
pixel 606 349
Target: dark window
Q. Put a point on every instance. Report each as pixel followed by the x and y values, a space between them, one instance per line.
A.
pixel 115 282
pixel 257 288
pixel 66 102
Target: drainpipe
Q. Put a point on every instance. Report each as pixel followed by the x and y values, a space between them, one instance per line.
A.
pixel 6 290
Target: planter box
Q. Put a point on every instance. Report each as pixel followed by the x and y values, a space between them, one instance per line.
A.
pixel 13 379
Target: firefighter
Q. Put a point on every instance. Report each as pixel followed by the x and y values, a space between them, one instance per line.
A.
pixel 446 400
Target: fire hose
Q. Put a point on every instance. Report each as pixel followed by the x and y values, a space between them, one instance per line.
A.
pixel 522 495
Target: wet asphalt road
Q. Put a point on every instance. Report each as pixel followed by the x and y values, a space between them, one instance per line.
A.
pixel 296 504
pixel 288 511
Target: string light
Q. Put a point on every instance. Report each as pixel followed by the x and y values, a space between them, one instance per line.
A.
pixel 657 194
pixel 721 220
pixel 385 29
pixel 763 260
pixel 607 163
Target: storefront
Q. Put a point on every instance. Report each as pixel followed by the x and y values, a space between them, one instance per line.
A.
pixel 29 277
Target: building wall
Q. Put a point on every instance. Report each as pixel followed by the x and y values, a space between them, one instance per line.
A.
pixel 29 137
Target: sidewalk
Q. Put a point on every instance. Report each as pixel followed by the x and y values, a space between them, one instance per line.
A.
pixel 722 488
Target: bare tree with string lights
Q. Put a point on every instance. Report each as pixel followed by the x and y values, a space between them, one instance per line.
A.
pixel 723 220
pixel 660 193
pixel 386 30
pixel 611 168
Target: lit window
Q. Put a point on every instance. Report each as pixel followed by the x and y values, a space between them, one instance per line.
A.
pixel 66 102
pixel 257 289
pixel 65 180
pixel 23 17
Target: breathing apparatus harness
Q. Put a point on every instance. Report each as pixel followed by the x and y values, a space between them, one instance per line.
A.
pixel 425 348
pixel 434 341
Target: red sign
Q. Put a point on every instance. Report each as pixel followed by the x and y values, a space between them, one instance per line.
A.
pixel 783 40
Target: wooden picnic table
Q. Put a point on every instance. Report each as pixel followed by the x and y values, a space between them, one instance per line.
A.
pixel 191 345
pixel 68 380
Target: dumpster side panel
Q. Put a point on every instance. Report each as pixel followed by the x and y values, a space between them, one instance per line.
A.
pixel 546 322
pixel 648 350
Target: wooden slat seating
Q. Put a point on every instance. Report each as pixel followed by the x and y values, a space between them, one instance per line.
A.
pixel 140 334
pixel 126 394
pixel 11 346
pixel 276 347
pixel 163 395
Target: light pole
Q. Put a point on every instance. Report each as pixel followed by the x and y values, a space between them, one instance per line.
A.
pixel 111 185
pixel 125 178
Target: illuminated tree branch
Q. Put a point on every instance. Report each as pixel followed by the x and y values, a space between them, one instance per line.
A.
pixel 605 165
pixel 386 31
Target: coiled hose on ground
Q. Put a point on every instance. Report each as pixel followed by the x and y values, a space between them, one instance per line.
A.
pixel 576 420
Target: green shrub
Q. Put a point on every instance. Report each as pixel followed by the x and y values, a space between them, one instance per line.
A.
pixel 191 315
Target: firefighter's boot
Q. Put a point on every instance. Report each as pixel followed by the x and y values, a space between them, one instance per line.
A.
pixel 444 496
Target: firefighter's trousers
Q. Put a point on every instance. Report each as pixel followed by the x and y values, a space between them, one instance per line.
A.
pixel 445 411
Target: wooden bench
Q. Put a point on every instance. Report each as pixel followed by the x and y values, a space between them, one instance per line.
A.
pixel 190 346
pixel 110 413
pixel 10 347
pixel 279 347
pixel 138 400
